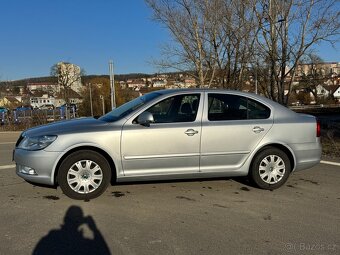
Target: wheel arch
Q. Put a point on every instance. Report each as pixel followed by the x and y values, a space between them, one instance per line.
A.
pixel 91 148
pixel 283 147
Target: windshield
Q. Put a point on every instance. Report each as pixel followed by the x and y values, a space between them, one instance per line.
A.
pixel 128 107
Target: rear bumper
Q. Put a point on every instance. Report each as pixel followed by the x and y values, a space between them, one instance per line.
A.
pixel 307 155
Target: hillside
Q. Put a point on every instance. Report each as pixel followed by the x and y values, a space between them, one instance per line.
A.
pixel 51 79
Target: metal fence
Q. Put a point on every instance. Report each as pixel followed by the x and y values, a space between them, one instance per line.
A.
pixel 23 119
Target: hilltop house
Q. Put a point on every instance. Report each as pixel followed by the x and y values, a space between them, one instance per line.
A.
pixel 50 93
pixel 159 83
pixel 46 87
pixel 336 93
pixel 135 84
pixel 37 102
pixel 73 98
pixel 189 82
pixel 324 68
pixel 10 102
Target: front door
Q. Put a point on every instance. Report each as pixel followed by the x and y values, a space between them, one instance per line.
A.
pixel 170 145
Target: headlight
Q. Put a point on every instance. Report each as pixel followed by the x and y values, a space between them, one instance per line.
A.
pixel 36 142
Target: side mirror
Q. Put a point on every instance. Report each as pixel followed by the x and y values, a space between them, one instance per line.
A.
pixel 145 119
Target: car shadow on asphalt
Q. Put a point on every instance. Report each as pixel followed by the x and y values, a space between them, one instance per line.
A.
pixel 70 239
pixel 241 180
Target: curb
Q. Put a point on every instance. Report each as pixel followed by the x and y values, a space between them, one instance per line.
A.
pixel 13 132
pixel 7 167
pixel 330 163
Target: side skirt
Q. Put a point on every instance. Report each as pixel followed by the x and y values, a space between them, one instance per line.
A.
pixel 198 175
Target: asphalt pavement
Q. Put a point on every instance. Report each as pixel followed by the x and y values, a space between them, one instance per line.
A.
pixel 219 216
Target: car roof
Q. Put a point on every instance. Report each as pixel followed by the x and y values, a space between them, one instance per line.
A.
pixel 211 90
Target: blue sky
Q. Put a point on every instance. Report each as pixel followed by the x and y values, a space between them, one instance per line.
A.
pixel 35 34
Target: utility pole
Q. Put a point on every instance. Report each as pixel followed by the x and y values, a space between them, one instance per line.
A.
pixel 102 98
pixel 256 67
pixel 91 99
pixel 112 85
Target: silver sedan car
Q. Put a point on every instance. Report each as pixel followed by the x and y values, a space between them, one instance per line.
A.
pixel 172 134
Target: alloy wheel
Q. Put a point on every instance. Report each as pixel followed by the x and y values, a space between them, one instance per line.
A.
pixel 84 176
pixel 272 169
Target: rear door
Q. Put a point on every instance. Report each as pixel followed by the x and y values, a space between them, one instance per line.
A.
pixel 232 126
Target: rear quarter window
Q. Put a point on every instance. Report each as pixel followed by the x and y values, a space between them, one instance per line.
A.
pixel 257 110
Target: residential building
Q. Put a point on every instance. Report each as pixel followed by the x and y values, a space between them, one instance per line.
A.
pixel 37 102
pixel 336 94
pixel 322 91
pixel 189 82
pixel 122 85
pixel 159 83
pixel 325 68
pixel 46 87
pixel 10 102
pixel 179 84
pixel 73 97
pixel 72 72
pixel 136 84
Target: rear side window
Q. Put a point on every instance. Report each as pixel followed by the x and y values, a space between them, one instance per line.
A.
pixel 233 107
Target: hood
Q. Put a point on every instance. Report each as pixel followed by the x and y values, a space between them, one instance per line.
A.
pixel 68 126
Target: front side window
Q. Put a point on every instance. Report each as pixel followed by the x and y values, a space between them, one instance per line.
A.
pixel 181 108
pixel 232 107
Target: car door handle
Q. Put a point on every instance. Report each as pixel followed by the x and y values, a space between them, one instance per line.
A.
pixel 190 132
pixel 258 129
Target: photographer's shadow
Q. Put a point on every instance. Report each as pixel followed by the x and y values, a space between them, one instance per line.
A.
pixel 69 239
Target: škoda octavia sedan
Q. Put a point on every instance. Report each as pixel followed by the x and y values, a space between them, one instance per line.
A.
pixel 172 134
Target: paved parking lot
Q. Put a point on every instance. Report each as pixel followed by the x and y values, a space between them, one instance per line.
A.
pixel 220 216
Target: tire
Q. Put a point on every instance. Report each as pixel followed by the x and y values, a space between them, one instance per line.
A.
pixel 270 168
pixel 84 175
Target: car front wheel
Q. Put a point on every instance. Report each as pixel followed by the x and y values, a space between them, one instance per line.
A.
pixel 270 168
pixel 84 175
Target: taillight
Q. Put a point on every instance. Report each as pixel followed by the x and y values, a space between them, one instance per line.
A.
pixel 318 129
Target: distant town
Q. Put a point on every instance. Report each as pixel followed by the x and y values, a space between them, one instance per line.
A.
pixel 313 84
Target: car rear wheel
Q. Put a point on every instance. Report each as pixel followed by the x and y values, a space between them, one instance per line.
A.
pixel 84 175
pixel 270 168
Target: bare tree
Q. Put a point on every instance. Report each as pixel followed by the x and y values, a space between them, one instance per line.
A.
pixel 213 38
pixel 239 25
pixel 288 30
pixel 314 77
pixel 68 75
pixel 186 21
pixel 219 40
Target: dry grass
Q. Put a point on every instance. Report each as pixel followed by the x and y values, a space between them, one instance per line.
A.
pixel 330 139
pixel 13 127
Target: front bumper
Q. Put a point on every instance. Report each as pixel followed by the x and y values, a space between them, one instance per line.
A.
pixel 42 162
